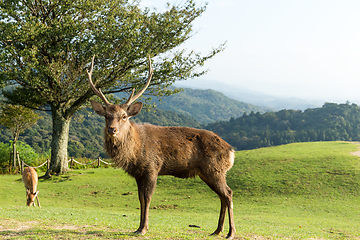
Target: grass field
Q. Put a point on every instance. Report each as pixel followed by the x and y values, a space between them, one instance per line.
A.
pixel 295 191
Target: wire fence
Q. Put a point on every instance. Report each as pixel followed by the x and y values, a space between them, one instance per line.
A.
pixel 97 162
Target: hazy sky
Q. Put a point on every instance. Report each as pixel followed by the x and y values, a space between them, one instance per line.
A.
pixel 298 48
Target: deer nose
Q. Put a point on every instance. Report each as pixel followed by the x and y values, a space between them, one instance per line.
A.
pixel 112 130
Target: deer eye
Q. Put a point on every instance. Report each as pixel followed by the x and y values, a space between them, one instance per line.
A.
pixel 124 117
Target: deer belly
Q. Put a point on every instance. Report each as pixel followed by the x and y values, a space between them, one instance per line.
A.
pixel 179 169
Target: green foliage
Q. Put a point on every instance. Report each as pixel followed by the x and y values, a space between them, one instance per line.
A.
pixel 38 136
pixel 331 122
pixel 46 57
pixel 26 152
pixel 17 118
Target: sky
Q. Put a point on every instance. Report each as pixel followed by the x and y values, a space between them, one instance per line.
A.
pixel 307 49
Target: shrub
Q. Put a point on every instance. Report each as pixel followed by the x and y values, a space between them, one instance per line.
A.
pixel 26 153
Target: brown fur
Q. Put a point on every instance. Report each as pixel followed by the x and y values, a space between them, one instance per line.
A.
pixel 146 151
pixel 30 180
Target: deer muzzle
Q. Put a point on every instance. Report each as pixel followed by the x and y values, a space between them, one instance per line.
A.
pixel 112 131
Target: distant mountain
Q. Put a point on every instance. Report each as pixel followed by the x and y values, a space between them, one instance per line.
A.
pixel 207 105
pixel 251 96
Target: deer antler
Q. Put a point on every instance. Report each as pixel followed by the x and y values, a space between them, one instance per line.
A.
pixel 97 92
pixel 132 98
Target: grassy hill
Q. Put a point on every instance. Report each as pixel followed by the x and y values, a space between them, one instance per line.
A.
pixel 295 191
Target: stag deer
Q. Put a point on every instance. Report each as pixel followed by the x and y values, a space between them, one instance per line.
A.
pixel 146 151
pixel 30 180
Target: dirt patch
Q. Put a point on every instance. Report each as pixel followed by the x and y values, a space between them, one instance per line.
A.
pixel 17 226
pixel 13 225
pixel 357 153
pixel 65 227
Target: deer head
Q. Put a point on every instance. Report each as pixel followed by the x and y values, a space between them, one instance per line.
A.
pixel 117 116
pixel 30 197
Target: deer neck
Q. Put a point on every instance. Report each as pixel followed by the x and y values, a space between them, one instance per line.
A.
pixel 123 147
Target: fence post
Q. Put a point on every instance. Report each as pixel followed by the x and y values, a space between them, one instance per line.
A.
pixel 71 162
pixel 48 164
pixel 22 167
pixel 18 157
pixel 98 162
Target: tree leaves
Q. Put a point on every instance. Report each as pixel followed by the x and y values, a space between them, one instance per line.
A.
pixel 17 119
pixel 46 46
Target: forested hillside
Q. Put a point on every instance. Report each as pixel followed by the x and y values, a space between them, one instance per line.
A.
pixel 207 106
pixel 330 122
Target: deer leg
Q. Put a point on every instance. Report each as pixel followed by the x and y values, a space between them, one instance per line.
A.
pixel 38 202
pixel 146 187
pixel 220 227
pixel 218 185
pixel 142 209
pixel 221 222
pixel 229 202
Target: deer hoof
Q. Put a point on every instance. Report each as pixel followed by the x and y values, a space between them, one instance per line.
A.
pixel 138 232
pixel 215 233
pixel 229 237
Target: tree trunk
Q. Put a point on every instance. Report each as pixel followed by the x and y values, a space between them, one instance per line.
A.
pixel 59 142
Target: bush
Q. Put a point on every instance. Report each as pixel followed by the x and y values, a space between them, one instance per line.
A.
pixel 26 153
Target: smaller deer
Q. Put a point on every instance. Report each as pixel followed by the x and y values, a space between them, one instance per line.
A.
pixel 30 180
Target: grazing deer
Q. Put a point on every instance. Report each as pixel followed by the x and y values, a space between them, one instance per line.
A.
pixel 146 151
pixel 30 180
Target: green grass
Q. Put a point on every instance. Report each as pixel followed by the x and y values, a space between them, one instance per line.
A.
pixel 295 191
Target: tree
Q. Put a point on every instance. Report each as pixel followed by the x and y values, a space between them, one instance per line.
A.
pixel 46 46
pixel 17 119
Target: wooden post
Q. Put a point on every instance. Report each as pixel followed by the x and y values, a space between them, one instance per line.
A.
pixel 98 162
pixel 14 155
pixel 22 167
pixel 71 162
pixel 48 164
pixel 18 157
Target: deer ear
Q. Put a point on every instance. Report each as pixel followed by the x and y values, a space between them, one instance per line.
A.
pixel 36 193
pixel 98 108
pixel 134 109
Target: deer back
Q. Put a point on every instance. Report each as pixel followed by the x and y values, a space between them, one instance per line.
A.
pixel 185 152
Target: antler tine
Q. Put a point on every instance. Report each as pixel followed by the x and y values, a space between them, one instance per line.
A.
pixel 132 98
pixel 97 92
